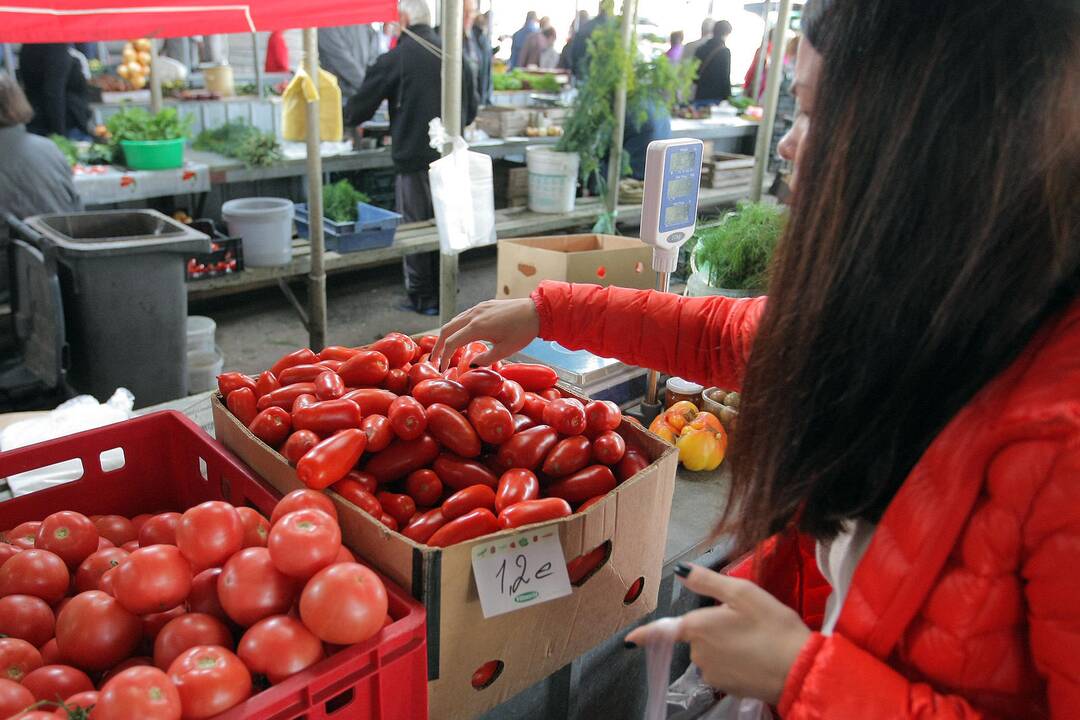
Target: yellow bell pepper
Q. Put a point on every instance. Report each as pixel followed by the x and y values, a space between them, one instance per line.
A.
pixel 702 449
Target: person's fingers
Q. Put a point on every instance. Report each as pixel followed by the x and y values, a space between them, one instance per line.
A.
pixel 445 332
pixel 459 338
pixel 726 589
pixel 498 351
pixel 664 629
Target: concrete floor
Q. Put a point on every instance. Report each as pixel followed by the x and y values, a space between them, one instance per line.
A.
pixel 256 328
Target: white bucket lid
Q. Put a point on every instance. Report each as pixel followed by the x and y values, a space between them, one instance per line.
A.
pixel 200 325
pixel 683 387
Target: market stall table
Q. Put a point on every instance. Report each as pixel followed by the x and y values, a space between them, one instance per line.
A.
pixel 107 184
pixel 608 681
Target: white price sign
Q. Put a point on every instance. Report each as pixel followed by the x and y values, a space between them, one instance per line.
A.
pixel 520 571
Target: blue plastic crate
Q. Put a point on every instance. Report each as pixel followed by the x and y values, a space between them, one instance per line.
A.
pixel 374 228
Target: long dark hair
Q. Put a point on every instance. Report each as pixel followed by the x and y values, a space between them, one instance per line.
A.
pixel 934 228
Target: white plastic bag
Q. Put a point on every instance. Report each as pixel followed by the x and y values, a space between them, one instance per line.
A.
pixel 462 194
pixel 76 415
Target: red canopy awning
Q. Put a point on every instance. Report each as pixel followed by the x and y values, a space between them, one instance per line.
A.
pixel 96 20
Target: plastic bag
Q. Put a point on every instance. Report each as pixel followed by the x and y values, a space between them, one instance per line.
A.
pixel 298 93
pixel 462 194
pixel 76 415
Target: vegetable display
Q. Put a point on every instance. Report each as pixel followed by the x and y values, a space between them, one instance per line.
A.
pixel 135 123
pixel 195 613
pixel 339 201
pixel 244 142
pixel 699 436
pixel 442 457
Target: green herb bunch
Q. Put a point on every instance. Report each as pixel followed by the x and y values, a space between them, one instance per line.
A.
pixel 339 201
pixel 736 253
pixel 92 154
pixel 244 142
pixel 135 123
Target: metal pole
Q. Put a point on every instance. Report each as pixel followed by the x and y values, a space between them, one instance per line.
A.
pixel 772 95
pixel 652 389
pixel 762 50
pixel 317 274
pixel 452 31
pixel 629 13
pixel 155 78
pixel 258 65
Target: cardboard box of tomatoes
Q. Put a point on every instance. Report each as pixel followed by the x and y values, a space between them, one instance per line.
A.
pixel 613 548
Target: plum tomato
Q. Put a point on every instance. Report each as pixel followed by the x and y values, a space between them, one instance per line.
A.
pixel 528 448
pixel 298 444
pixel 379 431
pixel 468 499
pixel 138 692
pixel 250 588
pixel 279 647
pixel 397 381
pixel 531 377
pixel 303 356
pixel 28 618
pixel 304 542
pixel 402 457
pixel 601 416
pixel 532 511
pixel 584 484
pixel 516 485
pixel 159 530
pixel 493 422
pixel 185 632
pixel 331 459
pixel 566 415
pixel 367 368
pixel 70 535
pixel 453 430
pixel 512 396
pixel 408 417
pixel 424 525
pixel 608 448
pixel 35 572
pixel 94 631
pixel 243 403
pixel 441 390
pixel 399 506
pixel 534 406
pixel 303 499
pixel 482 382
pixel 568 456
pixel 266 384
pixel 633 462
pixel 472 524
pixel 273 424
pixel 459 473
pixel 397 348
pixel 424 487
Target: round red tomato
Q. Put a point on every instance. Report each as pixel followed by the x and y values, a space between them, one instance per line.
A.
pixel 159 530
pixel 28 618
pixel 601 416
pixel 187 631
pixel 137 661
pixel 209 534
pixel 399 506
pixel 34 715
pixel 139 520
pixel 35 572
pixel 104 542
pixel 70 535
pixel 256 527
pixel 608 448
pixel 130 547
pixel 424 487
pixel 203 597
pixel 210 680
pixel 95 632
pixel 17 658
pixel 14 698
pixel 88 576
pixel 302 500
pixel 152 579
pixel 344 604
pixel 56 682
pixel 250 588
pixel 140 692
pixel 25 535
pixel 7 550
pixel 304 542
pixel 116 528
pixel 84 700
pixel 278 647
pixel 50 653
pixel 153 623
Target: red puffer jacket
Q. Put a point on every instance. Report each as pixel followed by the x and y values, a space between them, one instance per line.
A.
pixel 967 601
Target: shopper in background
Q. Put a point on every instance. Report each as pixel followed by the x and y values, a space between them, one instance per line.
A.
pixel 690 49
pixel 534 48
pixel 472 52
pixel 579 53
pixel 347 52
pixel 911 386
pixel 481 38
pixel 55 82
pixel 752 85
pixel 674 53
pixel 518 39
pixel 407 77
pixel 35 177
pixel 714 73
pixel 549 57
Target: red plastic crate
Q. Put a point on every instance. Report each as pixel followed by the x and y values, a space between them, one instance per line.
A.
pixel 171 464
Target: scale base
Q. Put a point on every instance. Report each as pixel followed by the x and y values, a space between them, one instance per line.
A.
pixel 646 412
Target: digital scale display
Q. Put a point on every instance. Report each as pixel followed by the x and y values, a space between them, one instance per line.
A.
pixel 680 187
pixel 677 215
pixel 682 161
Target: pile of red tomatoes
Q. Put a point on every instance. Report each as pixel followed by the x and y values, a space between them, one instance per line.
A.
pixel 169 616
pixel 440 457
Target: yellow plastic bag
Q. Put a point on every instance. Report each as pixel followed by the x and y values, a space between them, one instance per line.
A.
pixel 300 91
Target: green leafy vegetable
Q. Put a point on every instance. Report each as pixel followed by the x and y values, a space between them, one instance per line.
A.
pixel 518 79
pixel 735 254
pixel 135 123
pixel 81 153
pixel 242 141
pixel 339 201
pixel 67 147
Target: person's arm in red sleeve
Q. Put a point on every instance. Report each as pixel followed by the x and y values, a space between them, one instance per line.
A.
pixel 706 340
pixel 834 678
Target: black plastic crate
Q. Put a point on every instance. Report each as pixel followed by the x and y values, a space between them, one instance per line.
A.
pixel 226 256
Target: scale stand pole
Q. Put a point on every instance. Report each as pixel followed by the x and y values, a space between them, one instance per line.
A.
pixel 662 263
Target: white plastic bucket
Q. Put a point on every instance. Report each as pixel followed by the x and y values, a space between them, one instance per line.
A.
pixel 200 333
pixel 265 225
pixel 552 179
pixel 202 370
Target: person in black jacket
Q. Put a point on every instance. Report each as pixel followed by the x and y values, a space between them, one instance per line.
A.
pixel 57 88
pixel 714 73
pixel 409 79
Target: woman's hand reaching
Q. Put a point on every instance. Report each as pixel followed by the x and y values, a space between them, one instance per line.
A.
pixel 509 325
pixel 745 646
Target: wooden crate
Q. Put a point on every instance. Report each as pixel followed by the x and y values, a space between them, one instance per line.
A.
pixel 726 170
pixel 502 122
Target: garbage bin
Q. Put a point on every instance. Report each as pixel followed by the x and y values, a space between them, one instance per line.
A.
pixel 125 299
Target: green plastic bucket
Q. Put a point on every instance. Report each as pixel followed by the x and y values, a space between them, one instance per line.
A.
pixel 153 154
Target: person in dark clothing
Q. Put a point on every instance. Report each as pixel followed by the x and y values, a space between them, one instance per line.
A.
pixel 714 74
pixel 407 77
pixel 482 41
pixel 640 132
pixel 517 40
pixel 579 49
pixel 57 90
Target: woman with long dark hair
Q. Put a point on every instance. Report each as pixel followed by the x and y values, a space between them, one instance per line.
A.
pixel 911 402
